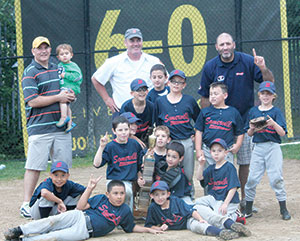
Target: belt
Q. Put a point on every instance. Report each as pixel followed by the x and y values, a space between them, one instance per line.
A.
pixel 89 225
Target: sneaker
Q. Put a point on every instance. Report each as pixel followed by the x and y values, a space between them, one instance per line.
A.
pixel 73 125
pixel 13 233
pixel 25 210
pixel 62 122
pixel 227 234
pixel 241 220
pixel 240 229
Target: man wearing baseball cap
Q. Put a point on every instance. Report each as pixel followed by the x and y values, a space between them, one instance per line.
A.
pixel 120 70
pixel 42 95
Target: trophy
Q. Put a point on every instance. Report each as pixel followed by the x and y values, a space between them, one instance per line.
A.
pixel 143 201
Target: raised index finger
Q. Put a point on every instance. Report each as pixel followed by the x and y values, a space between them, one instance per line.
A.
pixel 254 52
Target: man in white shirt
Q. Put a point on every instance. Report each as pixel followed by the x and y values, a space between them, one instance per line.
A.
pixel 120 70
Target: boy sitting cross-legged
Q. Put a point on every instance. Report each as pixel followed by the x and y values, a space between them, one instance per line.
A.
pixel 170 212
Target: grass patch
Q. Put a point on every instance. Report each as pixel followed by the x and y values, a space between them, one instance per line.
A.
pixel 291 152
pixel 16 170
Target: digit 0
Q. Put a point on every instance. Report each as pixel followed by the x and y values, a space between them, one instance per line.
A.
pixel 199 36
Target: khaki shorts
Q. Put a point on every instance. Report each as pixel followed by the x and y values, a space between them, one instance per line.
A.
pixel 55 146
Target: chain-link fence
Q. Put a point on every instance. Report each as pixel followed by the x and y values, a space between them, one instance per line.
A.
pixel 181 33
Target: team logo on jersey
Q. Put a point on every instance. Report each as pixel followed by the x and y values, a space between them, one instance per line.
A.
pixel 239 74
pixel 176 219
pixel 177 119
pixel 109 216
pixel 221 78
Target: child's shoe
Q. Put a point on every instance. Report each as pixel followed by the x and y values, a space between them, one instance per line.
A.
pixel 73 125
pixel 240 229
pixel 62 122
pixel 283 211
pixel 227 234
pixel 13 233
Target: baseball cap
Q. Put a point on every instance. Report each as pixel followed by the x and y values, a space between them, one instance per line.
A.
pixel 137 83
pixel 267 85
pixel 133 32
pixel 159 185
pixel 59 166
pixel 177 72
pixel 39 40
pixel 130 117
pixel 219 141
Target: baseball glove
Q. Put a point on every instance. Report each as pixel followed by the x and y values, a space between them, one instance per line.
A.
pixel 259 122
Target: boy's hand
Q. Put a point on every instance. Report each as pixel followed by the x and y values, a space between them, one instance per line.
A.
pixel 202 160
pixel 202 221
pixel 150 152
pixel 141 182
pixel 234 149
pixel 155 231
pixel 164 227
pixel 104 140
pixel 223 209
pixel 61 207
pixel 93 182
pixel 270 121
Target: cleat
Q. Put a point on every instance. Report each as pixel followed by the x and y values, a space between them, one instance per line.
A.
pixel 240 229
pixel 227 234
pixel 13 234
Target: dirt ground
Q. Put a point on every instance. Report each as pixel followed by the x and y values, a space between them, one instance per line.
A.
pixel 265 225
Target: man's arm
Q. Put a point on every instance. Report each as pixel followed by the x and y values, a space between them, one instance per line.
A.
pixel 42 101
pixel 109 102
pixel 204 102
pixel 198 144
pixel 261 64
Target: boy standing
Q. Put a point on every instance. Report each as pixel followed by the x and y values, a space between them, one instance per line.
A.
pixel 159 77
pixel 123 156
pixel 141 107
pixel 56 194
pixel 95 217
pixel 222 181
pixel 70 79
pixel 172 213
pixel 266 154
pixel 218 120
pixel 177 111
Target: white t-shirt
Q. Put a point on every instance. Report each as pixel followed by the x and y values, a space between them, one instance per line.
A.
pixel 120 70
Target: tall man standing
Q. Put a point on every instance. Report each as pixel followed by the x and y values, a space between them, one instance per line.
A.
pixel 42 95
pixel 120 70
pixel 238 71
